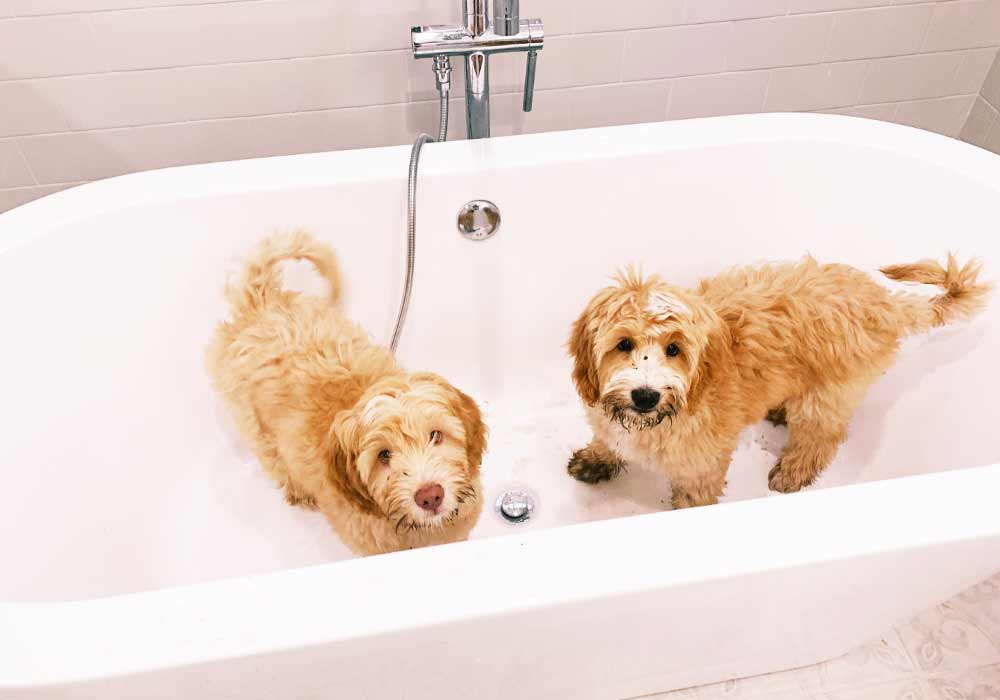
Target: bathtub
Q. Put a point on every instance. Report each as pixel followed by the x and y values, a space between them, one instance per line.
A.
pixel 145 554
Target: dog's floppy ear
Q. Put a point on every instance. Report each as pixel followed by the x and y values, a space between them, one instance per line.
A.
pixel 463 407
pixel 715 356
pixel 342 467
pixel 581 349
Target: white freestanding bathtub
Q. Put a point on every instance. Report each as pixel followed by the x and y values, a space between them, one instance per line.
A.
pixel 144 554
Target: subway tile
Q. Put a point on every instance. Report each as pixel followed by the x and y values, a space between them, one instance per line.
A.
pixel 28 8
pixel 603 16
pixel 222 33
pixel 820 86
pixel 963 24
pixel 381 25
pixel 888 31
pixel 22 195
pixel 569 61
pixel 977 127
pixel 778 41
pixel 92 155
pixel 41 46
pixel 910 77
pixel 557 15
pixel 720 10
pixel 971 75
pixel 944 116
pixel 991 86
pixel 716 95
pixel 803 6
pixel 550 112
pixel 992 142
pixel 138 98
pixel 355 80
pixel 625 103
pixel 334 130
pixel 676 51
pixel 14 171
pixel 880 112
pixel 27 109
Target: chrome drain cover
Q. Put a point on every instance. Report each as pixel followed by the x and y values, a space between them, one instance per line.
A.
pixel 479 219
pixel 515 505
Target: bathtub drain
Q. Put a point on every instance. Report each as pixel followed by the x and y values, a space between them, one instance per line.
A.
pixel 515 505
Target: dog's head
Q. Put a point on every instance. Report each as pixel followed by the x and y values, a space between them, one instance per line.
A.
pixel 644 350
pixel 410 449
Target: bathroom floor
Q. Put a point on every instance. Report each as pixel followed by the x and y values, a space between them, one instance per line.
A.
pixel 951 652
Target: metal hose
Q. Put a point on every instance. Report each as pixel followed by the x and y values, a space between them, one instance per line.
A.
pixel 411 199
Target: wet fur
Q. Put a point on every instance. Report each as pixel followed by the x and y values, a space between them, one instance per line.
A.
pixel 796 342
pixel 317 402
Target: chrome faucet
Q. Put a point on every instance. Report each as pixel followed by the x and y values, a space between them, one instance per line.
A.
pixel 475 39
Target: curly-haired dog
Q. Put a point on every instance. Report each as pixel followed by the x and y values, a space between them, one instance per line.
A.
pixel 671 376
pixel 391 458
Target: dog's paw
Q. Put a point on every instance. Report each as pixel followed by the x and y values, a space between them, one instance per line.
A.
pixel 778 479
pixel 776 416
pixel 589 471
pixel 294 498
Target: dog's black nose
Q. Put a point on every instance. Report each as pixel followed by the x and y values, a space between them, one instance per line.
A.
pixel 645 399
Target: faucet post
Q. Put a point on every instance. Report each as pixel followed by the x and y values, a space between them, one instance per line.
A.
pixel 478 36
pixel 506 17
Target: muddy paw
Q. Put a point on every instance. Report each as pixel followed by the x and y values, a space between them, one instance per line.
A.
pixel 591 472
pixel 776 416
pixel 300 500
pixel 779 480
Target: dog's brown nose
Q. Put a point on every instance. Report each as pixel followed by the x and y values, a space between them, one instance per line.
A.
pixel 429 497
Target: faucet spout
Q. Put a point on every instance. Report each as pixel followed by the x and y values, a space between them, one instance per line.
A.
pixel 477 95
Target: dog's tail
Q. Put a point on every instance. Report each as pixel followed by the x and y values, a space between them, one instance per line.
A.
pixel 964 295
pixel 260 282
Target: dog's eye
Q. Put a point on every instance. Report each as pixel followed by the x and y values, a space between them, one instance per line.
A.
pixel 625 345
pixel 436 437
pixel 673 350
pixel 384 456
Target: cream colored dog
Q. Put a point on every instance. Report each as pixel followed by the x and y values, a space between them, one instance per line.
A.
pixel 671 376
pixel 391 458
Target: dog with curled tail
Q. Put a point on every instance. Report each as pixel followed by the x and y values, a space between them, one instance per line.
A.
pixel 391 458
pixel 671 376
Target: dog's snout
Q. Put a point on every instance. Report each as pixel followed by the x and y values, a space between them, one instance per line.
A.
pixel 429 497
pixel 645 399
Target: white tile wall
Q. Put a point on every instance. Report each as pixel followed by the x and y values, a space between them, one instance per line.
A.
pixel 94 88
pixel 982 128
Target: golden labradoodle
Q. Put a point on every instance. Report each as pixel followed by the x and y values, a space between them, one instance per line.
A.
pixel 390 458
pixel 671 376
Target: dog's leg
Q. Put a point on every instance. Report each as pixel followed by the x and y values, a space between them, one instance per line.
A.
pixel 595 463
pixel 700 487
pixel 817 424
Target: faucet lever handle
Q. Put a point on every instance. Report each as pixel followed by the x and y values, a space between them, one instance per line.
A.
pixel 529 80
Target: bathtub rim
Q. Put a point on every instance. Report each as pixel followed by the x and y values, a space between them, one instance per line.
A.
pixel 22 224
pixel 48 644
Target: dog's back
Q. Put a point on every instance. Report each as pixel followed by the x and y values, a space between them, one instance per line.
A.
pixel 287 362
pixel 828 322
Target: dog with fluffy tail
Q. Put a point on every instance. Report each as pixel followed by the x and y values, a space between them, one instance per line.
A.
pixel 390 457
pixel 670 376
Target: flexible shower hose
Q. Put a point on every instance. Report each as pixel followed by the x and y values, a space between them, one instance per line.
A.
pixel 411 213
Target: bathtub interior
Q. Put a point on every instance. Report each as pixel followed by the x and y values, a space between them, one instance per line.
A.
pixel 123 472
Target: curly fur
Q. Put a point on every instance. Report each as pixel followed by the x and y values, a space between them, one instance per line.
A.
pixel 799 342
pixel 318 403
